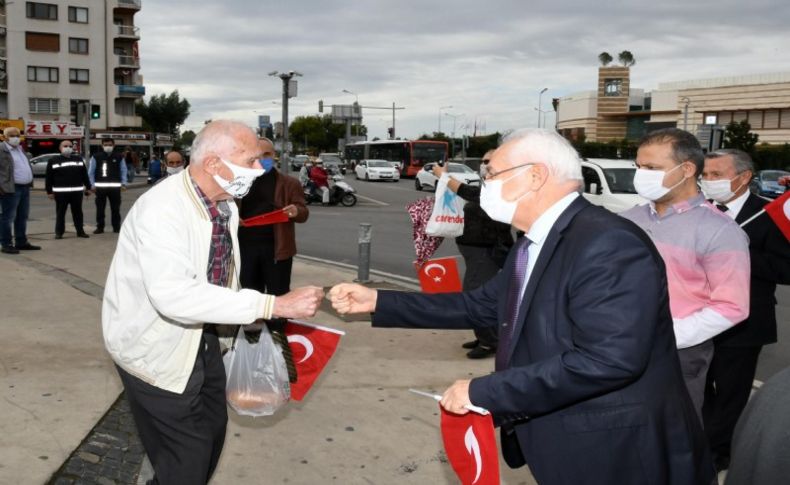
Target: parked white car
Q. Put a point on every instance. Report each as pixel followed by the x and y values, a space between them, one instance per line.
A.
pixel 376 170
pixel 426 179
pixel 610 183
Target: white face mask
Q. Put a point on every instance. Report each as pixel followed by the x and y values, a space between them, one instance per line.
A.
pixel 718 190
pixel 650 183
pixel 175 170
pixel 241 182
pixel 108 149
pixel 494 205
pixel 13 141
pixel 67 151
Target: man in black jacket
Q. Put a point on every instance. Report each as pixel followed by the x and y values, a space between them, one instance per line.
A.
pixel 725 179
pixel 66 181
pixel 483 245
pixel 107 171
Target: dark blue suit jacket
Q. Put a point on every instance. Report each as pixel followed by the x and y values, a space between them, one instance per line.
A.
pixel 593 392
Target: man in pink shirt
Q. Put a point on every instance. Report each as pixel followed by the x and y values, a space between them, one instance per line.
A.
pixel 705 252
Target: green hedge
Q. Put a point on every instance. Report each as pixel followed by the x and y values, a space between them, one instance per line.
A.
pixel 772 157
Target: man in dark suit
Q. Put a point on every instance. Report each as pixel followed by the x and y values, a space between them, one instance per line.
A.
pixel 725 179
pixel 588 387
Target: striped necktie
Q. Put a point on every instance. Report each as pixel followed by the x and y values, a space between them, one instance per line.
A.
pixel 514 294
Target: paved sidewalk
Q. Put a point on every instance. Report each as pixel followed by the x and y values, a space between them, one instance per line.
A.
pixel 359 425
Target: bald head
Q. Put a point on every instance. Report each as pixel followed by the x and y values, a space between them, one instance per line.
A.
pixel 174 159
pixel 267 148
pixel 225 139
pixel 11 131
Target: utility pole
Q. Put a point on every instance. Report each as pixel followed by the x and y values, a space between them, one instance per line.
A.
pixel 540 105
pixel 288 92
pixel 686 101
pixel 84 118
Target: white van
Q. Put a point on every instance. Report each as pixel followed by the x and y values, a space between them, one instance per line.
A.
pixel 610 183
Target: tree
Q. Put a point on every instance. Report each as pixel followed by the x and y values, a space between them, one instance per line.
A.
pixel 604 58
pixel 626 58
pixel 316 134
pixel 164 113
pixel 738 135
pixel 185 140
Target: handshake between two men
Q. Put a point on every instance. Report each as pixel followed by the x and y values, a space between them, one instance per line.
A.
pixel 347 298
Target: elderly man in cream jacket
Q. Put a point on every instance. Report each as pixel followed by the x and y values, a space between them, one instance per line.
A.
pixel 172 288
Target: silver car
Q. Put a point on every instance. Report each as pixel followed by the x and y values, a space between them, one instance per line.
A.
pixel 39 163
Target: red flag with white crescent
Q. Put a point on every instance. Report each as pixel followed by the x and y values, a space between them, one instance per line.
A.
pixel 273 217
pixel 312 346
pixel 471 447
pixel 439 276
pixel 779 210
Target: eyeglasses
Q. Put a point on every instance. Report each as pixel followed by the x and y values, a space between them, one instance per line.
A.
pixel 489 175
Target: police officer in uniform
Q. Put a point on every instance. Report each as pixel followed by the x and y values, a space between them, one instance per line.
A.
pixel 107 172
pixel 66 181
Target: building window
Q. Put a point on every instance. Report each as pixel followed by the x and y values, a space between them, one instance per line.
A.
pixel 42 74
pixel 35 41
pixel 771 119
pixel 78 46
pixel 43 105
pixel 124 107
pixel 756 119
pixel 613 87
pixel 79 76
pixel 42 11
pixel 711 118
pixel 784 118
pixel 78 15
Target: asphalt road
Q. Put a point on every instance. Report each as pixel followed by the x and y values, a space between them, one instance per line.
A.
pixel 331 233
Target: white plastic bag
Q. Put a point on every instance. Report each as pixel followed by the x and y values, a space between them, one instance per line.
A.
pixel 447 218
pixel 257 379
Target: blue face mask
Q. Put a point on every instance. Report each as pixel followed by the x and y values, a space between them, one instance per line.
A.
pixel 266 163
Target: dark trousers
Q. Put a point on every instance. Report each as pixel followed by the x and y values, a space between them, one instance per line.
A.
pixel 259 271
pixel 183 434
pixel 15 209
pixel 728 388
pixel 114 195
pixel 694 363
pixel 62 201
pixel 480 267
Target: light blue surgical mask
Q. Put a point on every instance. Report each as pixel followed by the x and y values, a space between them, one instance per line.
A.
pixel 267 163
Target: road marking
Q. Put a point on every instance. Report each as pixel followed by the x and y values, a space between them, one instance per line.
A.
pixel 372 200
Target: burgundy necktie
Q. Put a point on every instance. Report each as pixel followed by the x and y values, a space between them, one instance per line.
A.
pixel 514 294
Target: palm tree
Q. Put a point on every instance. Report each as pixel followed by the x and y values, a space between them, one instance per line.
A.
pixel 626 58
pixel 604 58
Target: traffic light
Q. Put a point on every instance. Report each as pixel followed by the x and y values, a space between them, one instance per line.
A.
pixel 95 111
pixel 321 106
pixel 391 132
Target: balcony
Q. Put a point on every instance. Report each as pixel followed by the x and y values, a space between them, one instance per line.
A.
pixel 3 53
pixel 128 31
pixel 129 4
pixel 128 61
pixel 3 21
pixel 131 90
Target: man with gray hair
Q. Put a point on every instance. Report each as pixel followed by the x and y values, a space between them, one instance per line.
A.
pixel 172 282
pixel 587 386
pixel 16 180
pixel 725 180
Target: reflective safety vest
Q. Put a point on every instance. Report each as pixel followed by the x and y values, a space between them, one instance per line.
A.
pixel 108 170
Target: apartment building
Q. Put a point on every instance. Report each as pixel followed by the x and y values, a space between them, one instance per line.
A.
pixel 57 54
pixel 702 106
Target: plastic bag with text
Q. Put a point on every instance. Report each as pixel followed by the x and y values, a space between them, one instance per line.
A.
pixel 257 379
pixel 447 218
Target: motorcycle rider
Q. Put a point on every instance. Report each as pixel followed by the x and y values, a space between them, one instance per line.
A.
pixel 320 178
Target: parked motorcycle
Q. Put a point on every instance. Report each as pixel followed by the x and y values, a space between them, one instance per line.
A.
pixel 339 193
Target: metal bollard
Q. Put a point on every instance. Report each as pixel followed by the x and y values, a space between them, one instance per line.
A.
pixel 363 263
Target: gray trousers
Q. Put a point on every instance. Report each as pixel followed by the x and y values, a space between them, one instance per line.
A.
pixel 480 268
pixel 694 362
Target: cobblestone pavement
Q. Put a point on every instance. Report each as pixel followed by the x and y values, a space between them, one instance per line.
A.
pixel 111 453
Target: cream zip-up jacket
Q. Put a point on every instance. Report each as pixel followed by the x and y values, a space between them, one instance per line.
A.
pixel 157 295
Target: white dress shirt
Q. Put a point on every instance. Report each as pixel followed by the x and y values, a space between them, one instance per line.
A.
pixel 735 205
pixel 23 174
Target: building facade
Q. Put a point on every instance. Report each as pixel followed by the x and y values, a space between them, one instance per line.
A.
pixel 57 55
pixel 704 107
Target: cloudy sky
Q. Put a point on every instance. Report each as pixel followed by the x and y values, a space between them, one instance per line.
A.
pixel 486 59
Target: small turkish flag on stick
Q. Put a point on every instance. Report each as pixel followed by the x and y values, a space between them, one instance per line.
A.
pixel 471 447
pixel 779 210
pixel 439 276
pixel 273 217
pixel 312 347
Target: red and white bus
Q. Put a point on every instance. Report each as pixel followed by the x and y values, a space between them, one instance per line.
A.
pixel 411 154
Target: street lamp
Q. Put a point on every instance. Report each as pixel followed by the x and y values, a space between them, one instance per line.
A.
pixel 454 117
pixel 356 96
pixel 540 104
pixel 286 77
pixel 439 129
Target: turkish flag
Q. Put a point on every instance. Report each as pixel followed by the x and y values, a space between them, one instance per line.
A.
pixel 779 210
pixel 273 217
pixel 439 276
pixel 471 447
pixel 312 346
